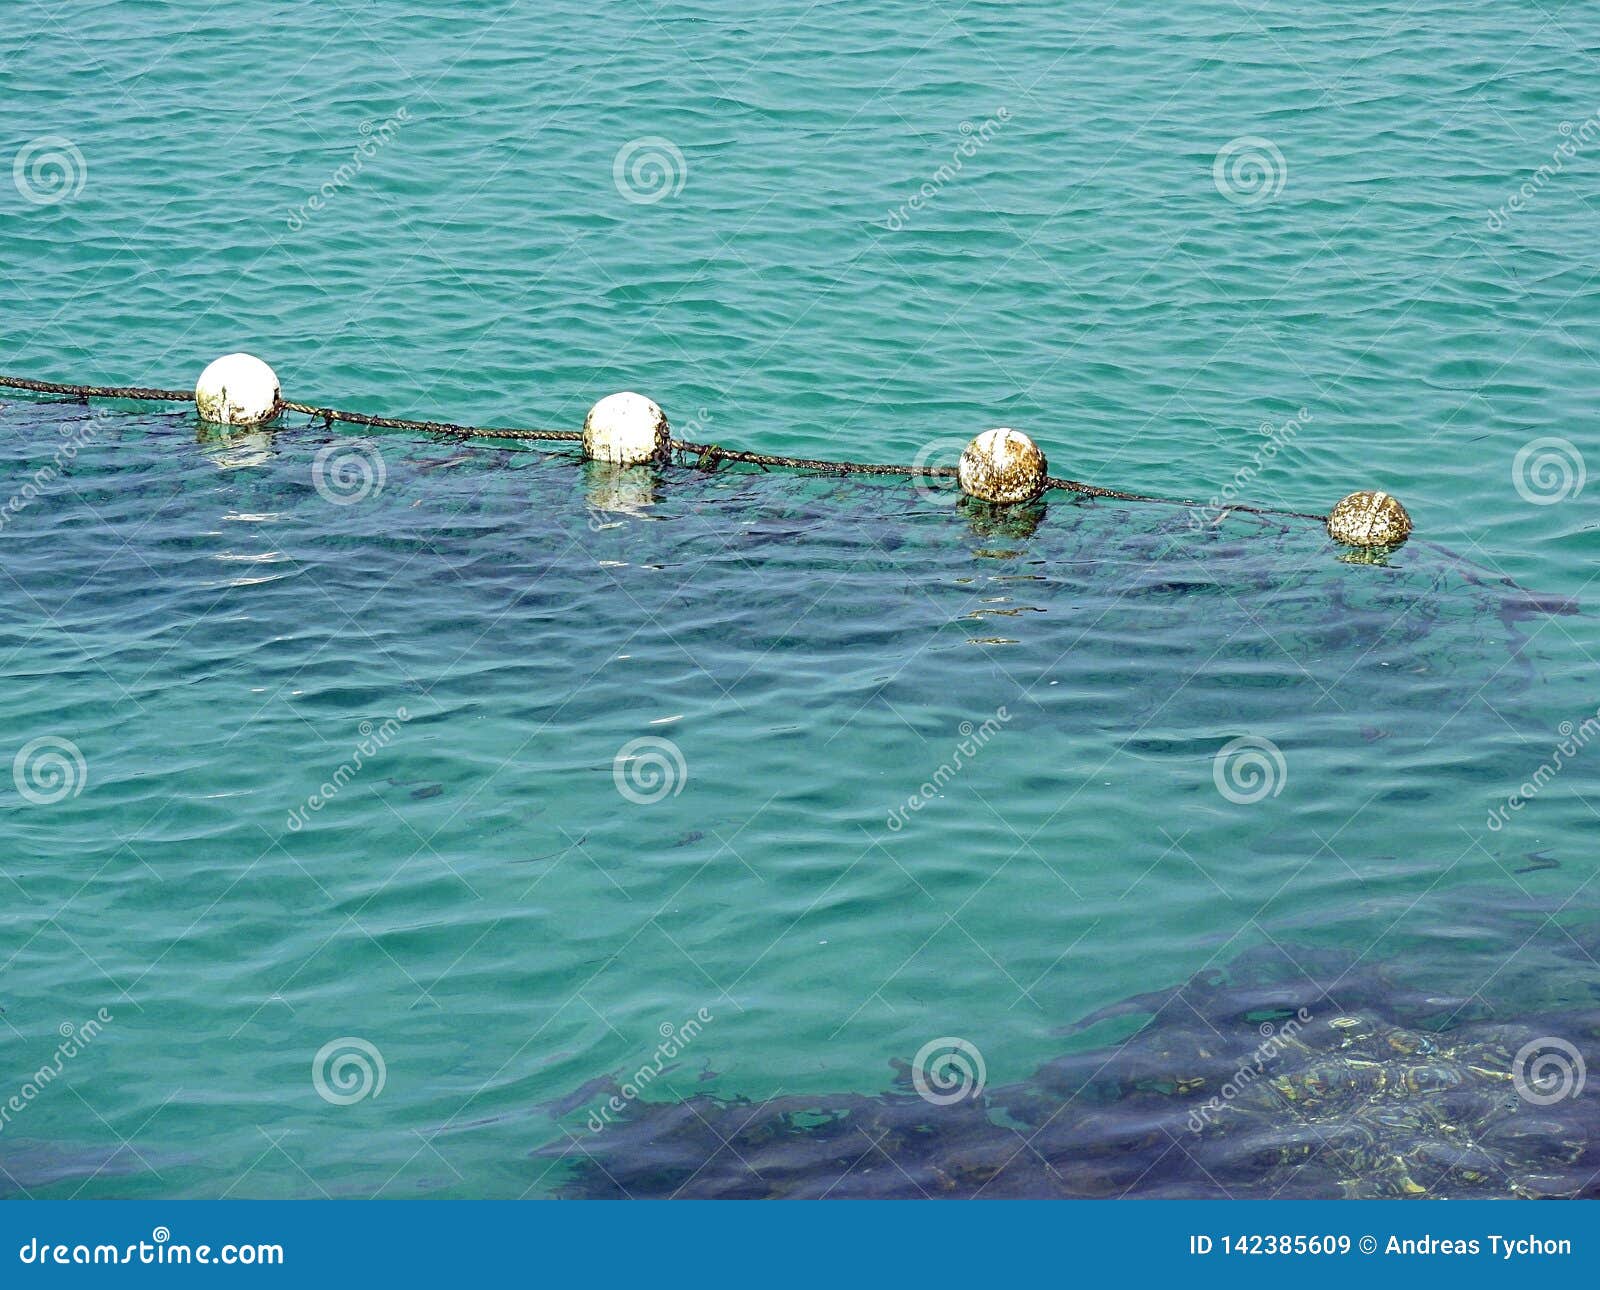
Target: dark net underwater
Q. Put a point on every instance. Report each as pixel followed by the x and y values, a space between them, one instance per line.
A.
pixel 1129 547
pixel 1292 1071
pixel 1369 1083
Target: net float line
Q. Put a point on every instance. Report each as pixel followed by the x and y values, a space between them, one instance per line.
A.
pixel 1002 466
pixel 96 391
pixel 718 453
pixel 331 415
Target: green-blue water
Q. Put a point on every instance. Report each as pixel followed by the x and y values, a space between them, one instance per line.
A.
pixel 478 900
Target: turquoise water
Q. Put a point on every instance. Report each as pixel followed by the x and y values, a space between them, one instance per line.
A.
pixel 479 901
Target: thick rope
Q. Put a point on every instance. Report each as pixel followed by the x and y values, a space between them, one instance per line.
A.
pixel 330 415
pixel 707 454
pixel 711 453
pixel 96 391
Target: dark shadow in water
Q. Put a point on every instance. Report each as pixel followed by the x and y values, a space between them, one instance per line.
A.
pixel 26 1166
pixel 1307 1074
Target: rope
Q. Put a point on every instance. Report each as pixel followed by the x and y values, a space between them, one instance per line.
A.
pixel 708 454
pixel 330 415
pixel 97 391
pixel 711 453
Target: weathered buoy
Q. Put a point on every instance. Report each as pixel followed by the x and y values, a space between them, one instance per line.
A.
pixel 1003 466
pixel 626 428
pixel 237 390
pixel 1369 519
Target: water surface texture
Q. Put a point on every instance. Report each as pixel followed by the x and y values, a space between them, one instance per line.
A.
pixel 377 809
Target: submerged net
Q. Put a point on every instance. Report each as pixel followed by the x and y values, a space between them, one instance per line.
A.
pixel 1000 521
pixel 818 620
pixel 705 456
pixel 1302 1073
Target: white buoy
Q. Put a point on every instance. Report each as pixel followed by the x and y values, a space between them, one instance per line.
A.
pixel 1369 519
pixel 1002 466
pixel 626 428
pixel 237 390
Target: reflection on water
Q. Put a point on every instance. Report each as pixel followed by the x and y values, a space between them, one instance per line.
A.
pixel 988 521
pixel 229 448
pixel 612 492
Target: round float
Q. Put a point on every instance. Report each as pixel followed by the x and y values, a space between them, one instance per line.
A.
pixel 1369 519
pixel 237 390
pixel 1002 466
pixel 625 428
